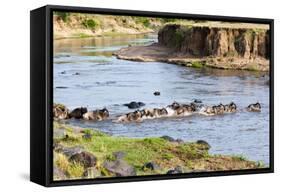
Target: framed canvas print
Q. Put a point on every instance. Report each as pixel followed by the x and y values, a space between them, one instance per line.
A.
pixel 125 95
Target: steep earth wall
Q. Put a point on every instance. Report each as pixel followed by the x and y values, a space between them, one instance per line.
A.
pixel 218 42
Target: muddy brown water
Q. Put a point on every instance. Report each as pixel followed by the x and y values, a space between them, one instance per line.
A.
pixel 86 74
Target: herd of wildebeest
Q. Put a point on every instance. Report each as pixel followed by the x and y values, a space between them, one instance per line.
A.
pixel 173 110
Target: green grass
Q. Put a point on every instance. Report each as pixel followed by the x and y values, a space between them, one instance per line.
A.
pixel 253 68
pixel 197 64
pixel 240 157
pixel 137 152
pixel 75 170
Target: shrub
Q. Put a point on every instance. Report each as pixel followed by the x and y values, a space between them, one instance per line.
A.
pixel 63 15
pixel 168 156
pixel 143 20
pixel 179 37
pixel 90 23
pixel 75 170
pixel 197 64
pixel 169 20
pixel 61 161
pixel 240 158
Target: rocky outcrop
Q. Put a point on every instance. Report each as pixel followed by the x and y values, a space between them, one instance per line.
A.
pixel 217 42
pixel 119 167
pixel 225 46
pixel 85 158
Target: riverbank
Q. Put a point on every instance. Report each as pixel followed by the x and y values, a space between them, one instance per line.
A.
pixel 217 45
pixel 77 25
pixel 89 153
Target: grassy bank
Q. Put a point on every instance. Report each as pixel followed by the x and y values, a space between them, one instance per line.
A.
pixel 142 156
pixel 77 25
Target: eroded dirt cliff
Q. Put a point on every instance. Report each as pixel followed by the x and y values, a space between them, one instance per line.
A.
pixel 218 42
pixel 220 45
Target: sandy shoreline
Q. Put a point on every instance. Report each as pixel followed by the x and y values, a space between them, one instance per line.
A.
pixel 158 53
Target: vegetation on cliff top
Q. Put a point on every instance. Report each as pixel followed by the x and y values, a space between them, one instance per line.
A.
pixel 140 156
pixel 68 25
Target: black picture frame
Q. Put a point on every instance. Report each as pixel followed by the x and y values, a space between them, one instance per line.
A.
pixel 41 94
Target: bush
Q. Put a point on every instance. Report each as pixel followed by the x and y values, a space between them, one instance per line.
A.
pixel 179 37
pixel 63 15
pixel 169 20
pixel 168 156
pixel 61 161
pixel 143 20
pixel 90 23
pixel 197 64
pixel 75 170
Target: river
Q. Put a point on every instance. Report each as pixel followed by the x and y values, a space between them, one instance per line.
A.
pixel 87 74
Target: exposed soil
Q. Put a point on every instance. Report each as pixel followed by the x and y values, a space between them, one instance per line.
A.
pixel 226 47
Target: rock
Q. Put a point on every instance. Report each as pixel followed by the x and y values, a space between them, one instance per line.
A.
pixel 156 93
pixel 134 105
pixel 119 154
pixel 91 172
pixel 119 168
pixel 197 101
pixel 179 141
pixel 177 170
pixel 85 158
pixel 168 138
pixel 199 171
pixel 205 145
pixel 61 87
pixel 57 146
pixel 171 139
pixel 87 136
pixel 150 165
pixel 68 151
pixel 58 174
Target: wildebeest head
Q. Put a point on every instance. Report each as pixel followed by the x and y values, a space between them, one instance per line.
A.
pixel 105 112
pixel 137 114
pixel 174 105
pixel 193 106
pixel 142 112
pixel 232 107
pixel 84 110
pixel 257 105
pixel 163 111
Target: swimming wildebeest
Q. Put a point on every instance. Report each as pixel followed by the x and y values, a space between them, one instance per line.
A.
pixel 254 107
pixel 130 117
pixel 60 111
pixel 96 115
pixel 156 93
pixel 219 109
pixel 134 105
pixel 78 113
